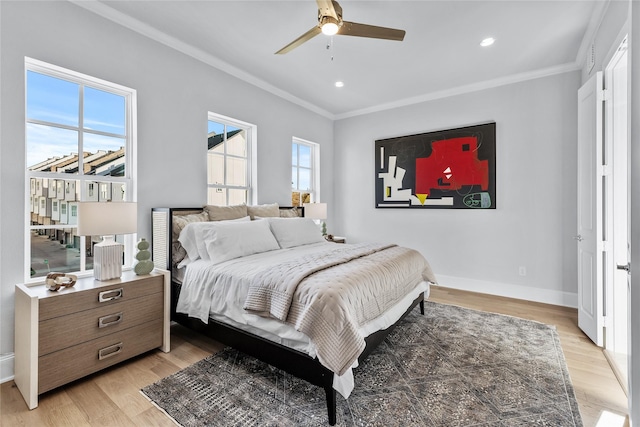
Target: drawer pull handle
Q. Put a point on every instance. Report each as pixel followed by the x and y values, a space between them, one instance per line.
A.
pixel 110 320
pixel 110 295
pixel 112 350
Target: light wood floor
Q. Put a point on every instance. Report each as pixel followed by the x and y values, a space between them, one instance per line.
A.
pixel 112 397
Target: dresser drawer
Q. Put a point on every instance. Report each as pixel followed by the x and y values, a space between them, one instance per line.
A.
pixel 75 299
pixel 61 367
pixel 66 331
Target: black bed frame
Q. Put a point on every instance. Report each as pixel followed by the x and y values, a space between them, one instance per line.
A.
pixel 292 361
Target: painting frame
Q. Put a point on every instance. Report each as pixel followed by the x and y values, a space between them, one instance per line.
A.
pixel 444 169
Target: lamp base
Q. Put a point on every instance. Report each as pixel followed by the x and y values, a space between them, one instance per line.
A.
pixel 107 259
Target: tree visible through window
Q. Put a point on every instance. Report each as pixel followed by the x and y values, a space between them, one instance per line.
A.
pixel 78 140
pixel 304 168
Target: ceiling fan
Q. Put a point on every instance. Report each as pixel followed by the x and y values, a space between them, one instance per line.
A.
pixel 330 22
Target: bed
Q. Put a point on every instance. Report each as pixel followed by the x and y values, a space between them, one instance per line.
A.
pixel 279 301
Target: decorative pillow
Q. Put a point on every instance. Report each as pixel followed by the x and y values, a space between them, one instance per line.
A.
pixel 179 222
pixel 235 240
pixel 289 213
pixel 222 213
pixel 195 235
pixel 178 254
pixel 263 210
pixel 291 232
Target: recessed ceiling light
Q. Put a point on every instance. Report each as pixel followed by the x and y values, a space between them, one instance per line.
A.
pixel 339 84
pixel 487 42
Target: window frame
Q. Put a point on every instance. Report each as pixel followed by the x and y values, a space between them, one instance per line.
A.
pixel 314 192
pixel 129 180
pixel 251 164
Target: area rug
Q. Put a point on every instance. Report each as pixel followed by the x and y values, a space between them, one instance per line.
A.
pixel 451 367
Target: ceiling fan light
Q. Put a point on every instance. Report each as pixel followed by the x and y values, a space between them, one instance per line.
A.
pixel 329 25
pixel 329 28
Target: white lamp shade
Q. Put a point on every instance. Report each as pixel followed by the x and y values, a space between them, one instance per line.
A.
pixel 107 218
pixel 315 210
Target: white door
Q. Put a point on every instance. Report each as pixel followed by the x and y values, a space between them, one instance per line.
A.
pixel 590 225
pixel 617 293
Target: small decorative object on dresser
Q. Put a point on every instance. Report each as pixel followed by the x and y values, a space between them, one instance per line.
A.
pixel 55 281
pixel 335 239
pixel 143 265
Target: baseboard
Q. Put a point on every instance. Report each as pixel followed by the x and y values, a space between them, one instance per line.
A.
pixel 6 367
pixel 547 296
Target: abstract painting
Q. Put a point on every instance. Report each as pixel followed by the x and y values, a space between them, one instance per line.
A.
pixel 448 169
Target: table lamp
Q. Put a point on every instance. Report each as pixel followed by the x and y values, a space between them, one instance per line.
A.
pixel 317 211
pixel 107 219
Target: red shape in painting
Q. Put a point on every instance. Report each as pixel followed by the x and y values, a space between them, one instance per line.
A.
pixel 453 163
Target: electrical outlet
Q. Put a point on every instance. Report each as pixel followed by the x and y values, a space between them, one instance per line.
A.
pixel 522 270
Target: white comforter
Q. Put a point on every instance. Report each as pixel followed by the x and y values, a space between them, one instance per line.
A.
pixel 220 291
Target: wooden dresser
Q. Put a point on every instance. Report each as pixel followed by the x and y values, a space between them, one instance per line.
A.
pixel 65 335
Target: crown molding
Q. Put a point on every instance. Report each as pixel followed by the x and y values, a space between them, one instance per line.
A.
pixel 600 10
pixel 461 90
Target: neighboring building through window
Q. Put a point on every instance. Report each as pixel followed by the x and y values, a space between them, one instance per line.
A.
pixel 68 113
pixel 229 162
pixel 304 172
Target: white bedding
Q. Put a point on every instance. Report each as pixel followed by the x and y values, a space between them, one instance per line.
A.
pixel 231 280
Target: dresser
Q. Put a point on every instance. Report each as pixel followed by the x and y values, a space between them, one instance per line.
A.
pixel 65 335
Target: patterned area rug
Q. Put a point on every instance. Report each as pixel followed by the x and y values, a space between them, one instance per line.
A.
pixel 451 367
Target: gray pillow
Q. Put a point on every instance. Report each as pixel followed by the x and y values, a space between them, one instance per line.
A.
pixel 222 213
pixel 264 211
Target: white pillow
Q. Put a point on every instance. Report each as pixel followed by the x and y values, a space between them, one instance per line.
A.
pixel 235 240
pixel 291 232
pixel 194 235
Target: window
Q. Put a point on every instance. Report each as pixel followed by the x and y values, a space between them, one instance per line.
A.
pixel 304 172
pixel 68 113
pixel 229 162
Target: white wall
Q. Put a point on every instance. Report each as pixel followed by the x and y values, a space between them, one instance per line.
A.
pixel 481 250
pixel 175 92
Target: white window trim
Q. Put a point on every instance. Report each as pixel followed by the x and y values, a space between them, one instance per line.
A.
pixel 252 166
pixel 315 165
pixel 130 178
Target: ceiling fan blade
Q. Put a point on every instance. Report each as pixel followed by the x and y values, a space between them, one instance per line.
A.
pixel 297 42
pixel 364 30
pixel 325 8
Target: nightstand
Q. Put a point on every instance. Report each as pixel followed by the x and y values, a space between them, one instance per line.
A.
pixel 65 335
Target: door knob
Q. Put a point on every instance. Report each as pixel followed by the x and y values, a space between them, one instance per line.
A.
pixel 578 238
pixel 626 267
